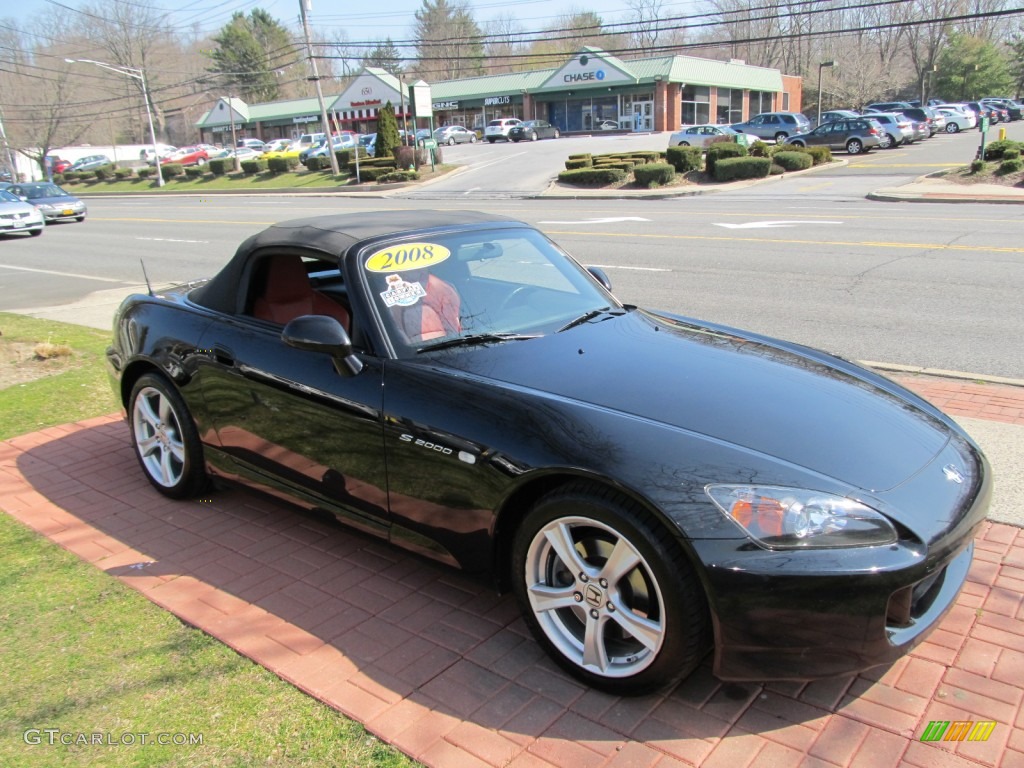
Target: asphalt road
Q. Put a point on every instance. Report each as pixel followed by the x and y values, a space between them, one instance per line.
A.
pixel 806 258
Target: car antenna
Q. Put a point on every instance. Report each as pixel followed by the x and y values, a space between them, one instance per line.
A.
pixel 149 288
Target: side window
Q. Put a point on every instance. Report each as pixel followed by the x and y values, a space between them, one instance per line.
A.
pixel 788 119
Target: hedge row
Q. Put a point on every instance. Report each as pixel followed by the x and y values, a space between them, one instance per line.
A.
pixel 593 176
pixel 723 151
pixel 996 150
pixel 652 175
pixel 793 161
pixel 685 159
pixel 741 167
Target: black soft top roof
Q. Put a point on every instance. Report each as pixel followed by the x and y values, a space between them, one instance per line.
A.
pixel 329 236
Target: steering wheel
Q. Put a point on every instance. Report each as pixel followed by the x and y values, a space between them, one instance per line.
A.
pixel 518 296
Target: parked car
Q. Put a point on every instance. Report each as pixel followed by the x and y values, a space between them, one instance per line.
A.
pixel 90 163
pixel 531 130
pixel 889 106
pixel 984 110
pixel 532 431
pixel 187 156
pixel 254 144
pixel 454 134
pixel 928 116
pixel 898 128
pixel 774 125
pixel 346 141
pixel 1012 109
pixel 837 114
pixel 956 120
pixel 276 145
pixel 242 153
pixel 16 215
pixel 53 202
pixel 608 125
pixel 147 155
pixel 498 129
pixel 59 164
pixel 856 135
pixel 699 135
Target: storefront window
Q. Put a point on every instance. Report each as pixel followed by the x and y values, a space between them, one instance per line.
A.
pixel 696 104
pixel 760 101
pixel 580 114
pixel 730 106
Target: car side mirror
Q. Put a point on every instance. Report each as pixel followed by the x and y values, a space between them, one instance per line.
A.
pixel 320 333
pixel 601 277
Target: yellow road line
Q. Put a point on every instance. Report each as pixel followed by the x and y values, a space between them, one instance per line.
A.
pixel 858 243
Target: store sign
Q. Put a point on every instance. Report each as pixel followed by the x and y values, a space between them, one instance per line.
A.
pixel 446 105
pixel 307 119
pixel 367 103
pixel 582 77
pixel 491 101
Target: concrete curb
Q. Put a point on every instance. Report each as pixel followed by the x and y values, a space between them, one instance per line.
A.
pixel 942 373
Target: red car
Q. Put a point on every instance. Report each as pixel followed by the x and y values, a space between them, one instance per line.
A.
pixel 59 165
pixel 187 156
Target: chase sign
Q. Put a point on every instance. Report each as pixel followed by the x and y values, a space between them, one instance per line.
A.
pixel 589 70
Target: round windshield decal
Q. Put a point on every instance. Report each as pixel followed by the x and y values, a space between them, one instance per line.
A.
pixel 407 256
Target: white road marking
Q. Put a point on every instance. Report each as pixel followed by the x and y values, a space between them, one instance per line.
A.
pixel 638 269
pixel 170 240
pixel 772 224
pixel 611 220
pixel 68 274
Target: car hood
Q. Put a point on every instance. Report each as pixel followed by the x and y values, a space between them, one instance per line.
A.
pixel 9 209
pixel 782 400
pixel 59 200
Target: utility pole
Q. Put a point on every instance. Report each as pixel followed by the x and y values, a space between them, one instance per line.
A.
pixel 304 6
pixel 7 150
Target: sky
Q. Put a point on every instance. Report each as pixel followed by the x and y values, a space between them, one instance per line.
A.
pixel 362 21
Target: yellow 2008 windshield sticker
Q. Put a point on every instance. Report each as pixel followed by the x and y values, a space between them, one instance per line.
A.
pixel 400 258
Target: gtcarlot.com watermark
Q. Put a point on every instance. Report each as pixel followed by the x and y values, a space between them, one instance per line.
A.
pixel 55 736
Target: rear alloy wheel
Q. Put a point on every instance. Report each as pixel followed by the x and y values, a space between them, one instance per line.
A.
pixel 952 128
pixel 165 438
pixel 885 142
pixel 607 592
pixel 683 144
pixel 451 141
pixel 200 162
pixel 854 147
pixel 557 134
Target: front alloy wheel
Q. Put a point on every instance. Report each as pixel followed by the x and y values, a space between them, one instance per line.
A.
pixel 607 592
pixel 165 438
pixel 952 127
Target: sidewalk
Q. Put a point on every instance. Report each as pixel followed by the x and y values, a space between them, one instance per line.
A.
pixel 444 669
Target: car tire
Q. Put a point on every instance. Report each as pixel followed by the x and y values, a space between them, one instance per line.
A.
pixel 165 438
pixel 79 219
pixel 854 146
pixel 557 134
pixel 952 128
pixel 651 618
pixel 534 136
pixel 200 162
pixel 490 140
pixel 451 141
pixel 35 232
pixel 683 144
pixel 885 143
pixel 780 137
pixel 798 143
pixel 473 139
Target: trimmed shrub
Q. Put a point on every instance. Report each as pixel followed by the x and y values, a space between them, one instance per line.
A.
pixel 346 156
pixel 821 155
pixel 977 166
pixel 170 170
pixel 776 170
pixel 370 173
pixel 733 168
pixel 73 182
pixel 252 167
pixel 394 176
pixel 718 152
pixel 654 174
pixel 1014 165
pixel 145 172
pixel 194 172
pixel 581 156
pixel 1011 153
pixel 405 157
pixel 571 165
pixel 317 163
pixel 86 175
pixel 685 159
pixel 592 177
pixel 995 150
pixel 793 161
pixel 105 172
pixel 760 149
pixel 221 165
pixel 124 173
pixel 282 164
pixel 68 176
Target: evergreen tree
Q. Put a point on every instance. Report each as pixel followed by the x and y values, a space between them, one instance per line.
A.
pixel 449 43
pixel 250 51
pixel 388 139
pixel 386 56
pixel 970 68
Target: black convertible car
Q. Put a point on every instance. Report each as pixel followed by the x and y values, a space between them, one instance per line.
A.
pixel 650 486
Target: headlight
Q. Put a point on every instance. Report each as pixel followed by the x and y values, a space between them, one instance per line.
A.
pixel 44 207
pixel 795 518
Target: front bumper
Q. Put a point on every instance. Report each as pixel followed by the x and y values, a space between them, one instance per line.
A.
pixel 801 615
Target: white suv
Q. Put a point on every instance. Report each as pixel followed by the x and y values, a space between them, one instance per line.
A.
pixel 498 129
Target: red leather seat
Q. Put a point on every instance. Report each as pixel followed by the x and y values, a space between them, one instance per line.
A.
pixel 287 294
pixel 435 315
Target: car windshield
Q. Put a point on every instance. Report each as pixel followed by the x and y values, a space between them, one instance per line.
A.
pixel 36 191
pixel 482 286
pixel 7 197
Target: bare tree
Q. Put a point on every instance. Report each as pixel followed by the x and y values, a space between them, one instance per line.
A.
pixel 644 19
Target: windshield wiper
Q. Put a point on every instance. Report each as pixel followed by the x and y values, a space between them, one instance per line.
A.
pixel 475 339
pixel 584 318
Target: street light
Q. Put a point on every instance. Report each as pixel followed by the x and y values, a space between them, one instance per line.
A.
pixel 138 74
pixel 821 67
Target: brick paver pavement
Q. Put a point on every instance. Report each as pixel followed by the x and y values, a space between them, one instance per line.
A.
pixel 445 670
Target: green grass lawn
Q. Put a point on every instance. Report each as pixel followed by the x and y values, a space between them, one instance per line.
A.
pixel 83 654
pixel 237 182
